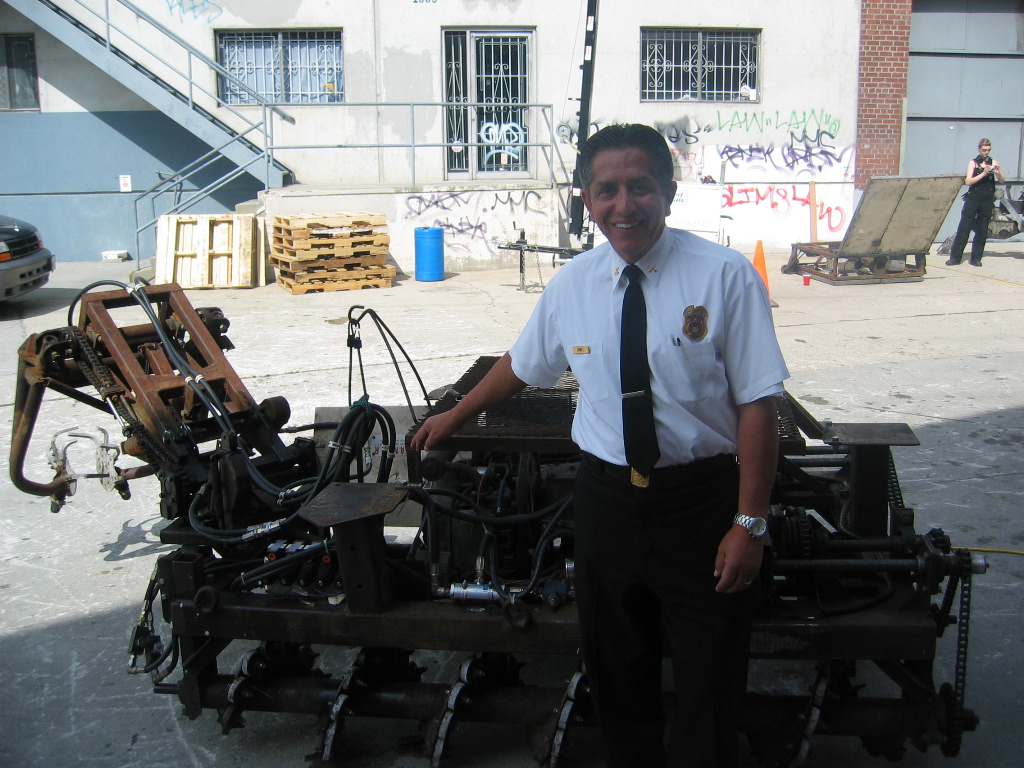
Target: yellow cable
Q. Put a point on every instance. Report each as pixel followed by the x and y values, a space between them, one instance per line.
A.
pixel 1000 551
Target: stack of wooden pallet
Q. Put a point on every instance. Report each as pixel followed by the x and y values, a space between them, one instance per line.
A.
pixel 331 252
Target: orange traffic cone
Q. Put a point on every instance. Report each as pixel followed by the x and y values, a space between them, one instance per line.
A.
pixel 759 266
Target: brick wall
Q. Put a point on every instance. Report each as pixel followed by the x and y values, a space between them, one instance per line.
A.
pixel 882 89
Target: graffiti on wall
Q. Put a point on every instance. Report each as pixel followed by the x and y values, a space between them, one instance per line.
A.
pixel 687 130
pixel 473 222
pixel 806 146
pixel 782 199
pixel 502 140
pixel 197 9
pixel 805 121
pixel 801 155
pixel 773 154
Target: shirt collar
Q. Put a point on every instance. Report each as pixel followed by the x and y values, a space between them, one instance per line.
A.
pixel 652 263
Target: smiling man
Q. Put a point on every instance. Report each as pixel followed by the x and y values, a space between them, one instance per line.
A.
pixel 671 339
pixel 626 201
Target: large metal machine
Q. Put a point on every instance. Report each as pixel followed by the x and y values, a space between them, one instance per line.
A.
pixel 282 552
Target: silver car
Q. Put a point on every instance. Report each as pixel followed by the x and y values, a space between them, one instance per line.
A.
pixel 24 263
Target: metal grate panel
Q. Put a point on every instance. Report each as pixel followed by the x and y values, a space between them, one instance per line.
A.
pixel 456 124
pixel 541 419
pixel 501 81
pixel 294 66
pixel 534 413
pixel 682 64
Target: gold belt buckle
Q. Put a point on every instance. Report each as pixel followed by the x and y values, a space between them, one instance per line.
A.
pixel 638 480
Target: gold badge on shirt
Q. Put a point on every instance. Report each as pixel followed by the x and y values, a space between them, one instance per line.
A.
pixel 695 322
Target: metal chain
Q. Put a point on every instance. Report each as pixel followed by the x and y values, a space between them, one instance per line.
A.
pixel 956 723
pixel 101 377
pixel 942 619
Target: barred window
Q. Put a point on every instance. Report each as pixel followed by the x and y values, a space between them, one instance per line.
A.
pixel 295 66
pixel 19 87
pixel 491 69
pixel 698 64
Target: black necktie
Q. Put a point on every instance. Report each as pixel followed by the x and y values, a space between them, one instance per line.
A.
pixel 639 436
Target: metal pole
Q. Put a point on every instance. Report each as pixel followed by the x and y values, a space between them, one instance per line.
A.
pixel 586 96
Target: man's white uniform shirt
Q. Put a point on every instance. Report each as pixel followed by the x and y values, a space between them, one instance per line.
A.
pixel 697 380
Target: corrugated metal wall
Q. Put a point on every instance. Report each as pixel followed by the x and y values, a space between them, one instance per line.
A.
pixel 966 81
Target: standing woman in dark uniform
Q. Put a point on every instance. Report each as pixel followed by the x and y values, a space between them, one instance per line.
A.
pixel 982 174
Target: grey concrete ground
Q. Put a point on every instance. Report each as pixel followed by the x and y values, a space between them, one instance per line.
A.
pixel 943 355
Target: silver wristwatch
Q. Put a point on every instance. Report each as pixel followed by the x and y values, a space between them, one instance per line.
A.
pixel 757 527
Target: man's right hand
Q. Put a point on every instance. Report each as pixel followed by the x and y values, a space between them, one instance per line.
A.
pixel 433 431
pixel 498 385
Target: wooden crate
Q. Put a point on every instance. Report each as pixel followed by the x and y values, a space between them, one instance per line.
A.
pixel 317 274
pixel 328 249
pixel 331 251
pixel 286 264
pixel 356 219
pixel 327 238
pixel 329 235
pixel 337 280
pixel 307 233
pixel 207 250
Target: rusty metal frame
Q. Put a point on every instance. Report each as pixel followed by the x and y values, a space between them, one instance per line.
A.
pixel 889 236
pixel 162 396
pixel 827 263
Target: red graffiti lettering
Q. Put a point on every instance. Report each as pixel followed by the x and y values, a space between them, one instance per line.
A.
pixel 782 199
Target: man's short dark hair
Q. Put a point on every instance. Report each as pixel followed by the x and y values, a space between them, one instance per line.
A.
pixel 627 136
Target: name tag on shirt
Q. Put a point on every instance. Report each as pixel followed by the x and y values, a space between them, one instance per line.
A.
pixel 581 350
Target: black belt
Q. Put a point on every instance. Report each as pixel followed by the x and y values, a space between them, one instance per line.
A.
pixel 682 474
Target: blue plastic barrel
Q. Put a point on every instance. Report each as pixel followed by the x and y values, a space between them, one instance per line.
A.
pixel 429 254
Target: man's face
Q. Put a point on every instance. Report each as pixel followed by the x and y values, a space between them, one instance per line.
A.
pixel 626 201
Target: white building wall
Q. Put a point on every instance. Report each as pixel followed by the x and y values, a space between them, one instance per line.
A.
pixel 764 154
pixel 801 129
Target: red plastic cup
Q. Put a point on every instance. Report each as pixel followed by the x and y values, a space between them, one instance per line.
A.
pixel 807 279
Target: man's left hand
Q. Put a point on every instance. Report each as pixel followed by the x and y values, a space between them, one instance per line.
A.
pixel 738 561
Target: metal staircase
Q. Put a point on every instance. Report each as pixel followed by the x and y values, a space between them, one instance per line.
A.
pixel 174 80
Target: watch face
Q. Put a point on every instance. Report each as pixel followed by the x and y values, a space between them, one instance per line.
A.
pixel 757 527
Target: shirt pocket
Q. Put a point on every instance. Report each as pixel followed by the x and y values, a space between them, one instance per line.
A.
pixel 691 371
pixel 596 373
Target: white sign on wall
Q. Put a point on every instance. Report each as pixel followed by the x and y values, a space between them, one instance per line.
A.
pixel 698 209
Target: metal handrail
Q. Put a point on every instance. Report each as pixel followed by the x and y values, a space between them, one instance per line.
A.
pixel 193 86
pixel 173 184
pixel 97 21
pixel 545 128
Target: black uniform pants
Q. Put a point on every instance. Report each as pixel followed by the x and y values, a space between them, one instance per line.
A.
pixel 645 562
pixel 975 216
